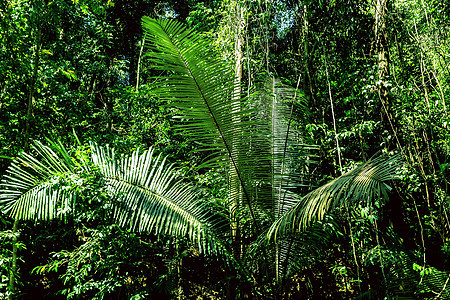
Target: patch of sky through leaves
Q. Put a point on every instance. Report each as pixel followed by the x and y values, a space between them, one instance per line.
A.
pixel 284 18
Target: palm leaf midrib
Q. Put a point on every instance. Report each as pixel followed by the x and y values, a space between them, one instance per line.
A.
pixel 316 203
pixel 218 127
pixel 163 197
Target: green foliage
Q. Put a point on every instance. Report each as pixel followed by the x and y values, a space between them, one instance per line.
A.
pixel 363 185
pixel 111 261
pixel 140 192
pixel 257 165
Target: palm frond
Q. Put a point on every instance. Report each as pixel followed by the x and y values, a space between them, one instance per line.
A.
pixel 35 187
pixel 295 252
pixel 149 197
pixel 285 109
pixel 365 184
pixel 292 154
pixel 201 85
pixel 409 277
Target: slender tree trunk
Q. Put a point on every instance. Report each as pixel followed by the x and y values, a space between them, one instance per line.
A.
pixel 305 54
pixel 32 88
pixel 381 48
pixel 236 192
pixel 139 64
pixel 13 272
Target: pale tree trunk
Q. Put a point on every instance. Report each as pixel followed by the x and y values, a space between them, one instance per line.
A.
pixel 305 54
pixel 381 48
pixel 236 189
pixel 382 52
pixel 139 64
pixel 235 184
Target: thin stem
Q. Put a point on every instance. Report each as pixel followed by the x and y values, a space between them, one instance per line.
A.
pixel 333 115
pixel 353 248
pixel 139 65
pixel 13 272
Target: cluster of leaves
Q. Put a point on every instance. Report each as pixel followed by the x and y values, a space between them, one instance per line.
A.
pixel 142 193
pixel 83 67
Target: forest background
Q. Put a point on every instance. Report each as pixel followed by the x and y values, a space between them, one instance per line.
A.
pixel 366 77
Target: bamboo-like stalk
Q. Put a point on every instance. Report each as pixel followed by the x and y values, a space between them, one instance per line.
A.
pixel 139 64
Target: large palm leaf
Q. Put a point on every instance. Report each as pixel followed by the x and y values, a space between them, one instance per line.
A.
pixel 149 197
pixel 146 194
pixel 365 184
pixel 201 85
pixel 291 159
pixel 35 187
pixel 292 154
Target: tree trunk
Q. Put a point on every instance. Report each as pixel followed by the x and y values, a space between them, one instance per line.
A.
pixel 13 272
pixel 381 48
pixel 32 88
